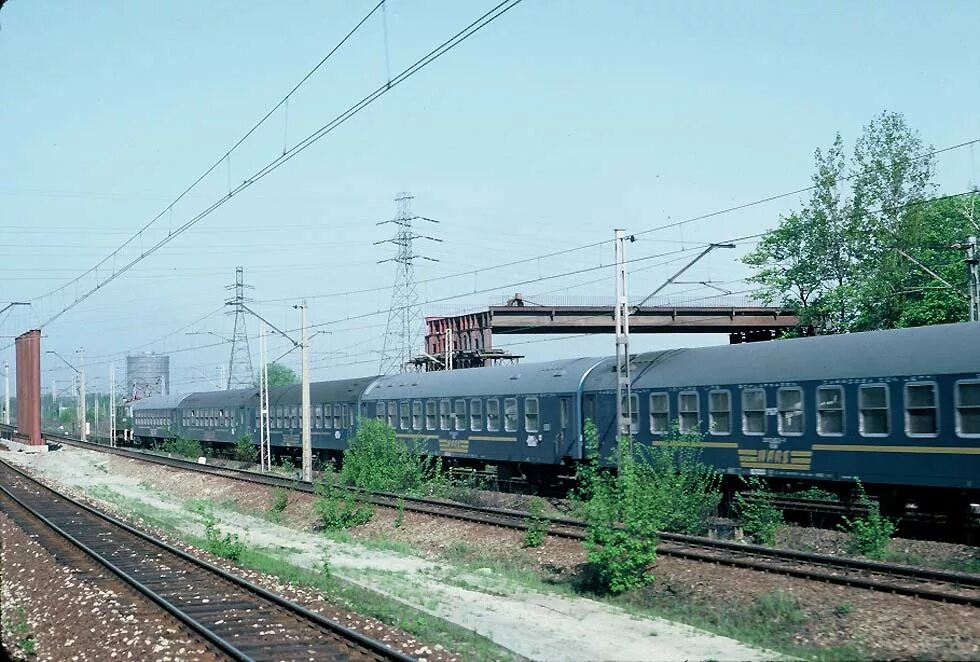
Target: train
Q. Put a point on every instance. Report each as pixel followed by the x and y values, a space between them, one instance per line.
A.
pixel 898 410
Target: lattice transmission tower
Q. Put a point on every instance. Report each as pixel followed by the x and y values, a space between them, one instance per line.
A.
pixel 240 373
pixel 405 329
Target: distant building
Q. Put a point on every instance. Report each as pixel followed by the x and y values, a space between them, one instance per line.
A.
pixel 147 374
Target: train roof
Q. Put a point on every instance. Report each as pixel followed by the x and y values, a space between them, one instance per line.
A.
pixel 230 399
pixel 168 401
pixel 920 351
pixel 339 390
pixel 561 376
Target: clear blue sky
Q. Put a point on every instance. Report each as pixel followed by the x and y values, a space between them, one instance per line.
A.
pixel 545 131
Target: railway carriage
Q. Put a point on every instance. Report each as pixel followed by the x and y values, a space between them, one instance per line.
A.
pixel 520 417
pixel 897 409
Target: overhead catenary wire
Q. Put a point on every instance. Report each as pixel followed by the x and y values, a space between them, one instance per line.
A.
pixel 658 228
pixel 433 55
pixel 223 158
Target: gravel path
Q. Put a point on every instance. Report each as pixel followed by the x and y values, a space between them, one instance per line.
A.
pixel 537 625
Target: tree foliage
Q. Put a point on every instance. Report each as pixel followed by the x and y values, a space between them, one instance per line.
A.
pixel 280 375
pixel 847 259
pixel 653 489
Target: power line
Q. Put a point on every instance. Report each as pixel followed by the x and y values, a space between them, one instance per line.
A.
pixel 692 219
pixel 222 159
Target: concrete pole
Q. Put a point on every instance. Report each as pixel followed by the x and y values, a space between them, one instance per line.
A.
pixel 81 389
pixel 263 404
pixel 6 393
pixel 307 437
pixel 624 404
pixel 971 261
pixel 112 404
pixel 266 423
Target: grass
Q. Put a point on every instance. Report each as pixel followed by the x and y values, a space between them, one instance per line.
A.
pixel 427 628
pixel 971 565
pixel 770 621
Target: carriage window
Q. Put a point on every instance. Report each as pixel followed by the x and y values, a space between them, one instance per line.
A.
pixel 444 415
pixel 510 414
pixel 531 414
pixel 720 412
pixel 318 416
pixel 349 414
pixel 968 408
pixel 337 413
pixel 790 402
pixel 754 411
pixel 493 415
pixel 921 417
pixel 476 415
pixel 688 410
pixel 405 416
pixel 430 414
pixel 417 415
pixel 563 413
pixel 659 413
pixel 634 411
pixel 830 410
pixel 459 415
pixel 392 414
pixel 873 403
pixel 379 410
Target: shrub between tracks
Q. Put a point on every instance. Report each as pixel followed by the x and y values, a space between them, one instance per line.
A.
pixel 758 515
pixel 870 533
pixel 653 489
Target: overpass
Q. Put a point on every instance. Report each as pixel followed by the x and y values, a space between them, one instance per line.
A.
pixel 472 333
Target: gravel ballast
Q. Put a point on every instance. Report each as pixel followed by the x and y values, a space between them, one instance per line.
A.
pixel 532 623
pixel 72 611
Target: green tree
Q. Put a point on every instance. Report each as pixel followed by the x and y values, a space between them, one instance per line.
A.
pixel 280 375
pixel 857 255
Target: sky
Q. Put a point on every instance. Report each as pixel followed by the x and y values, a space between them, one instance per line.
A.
pixel 555 124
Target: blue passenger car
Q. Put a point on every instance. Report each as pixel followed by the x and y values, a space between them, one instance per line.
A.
pixel 515 414
pixel 895 407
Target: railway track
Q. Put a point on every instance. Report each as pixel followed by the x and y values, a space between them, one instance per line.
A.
pixel 945 586
pixel 235 618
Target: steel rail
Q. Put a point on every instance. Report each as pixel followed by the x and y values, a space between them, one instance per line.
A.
pixel 303 614
pixel 685 546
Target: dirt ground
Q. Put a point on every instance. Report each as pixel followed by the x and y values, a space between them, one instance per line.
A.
pixel 536 624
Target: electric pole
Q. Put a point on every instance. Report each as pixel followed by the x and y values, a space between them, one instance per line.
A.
pixel 404 331
pixel 240 362
pixel 6 393
pixel 81 388
pixel 624 401
pixel 307 439
pixel 265 450
pixel 974 277
pixel 112 404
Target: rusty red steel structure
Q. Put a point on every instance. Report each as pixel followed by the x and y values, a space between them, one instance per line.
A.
pixel 28 368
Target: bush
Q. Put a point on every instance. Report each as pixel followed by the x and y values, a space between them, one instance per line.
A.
pixel 869 534
pixel 339 508
pixel 184 447
pixel 758 516
pixel 376 460
pixel 227 546
pixel 245 450
pixel 536 523
pixel 280 499
pixel 664 488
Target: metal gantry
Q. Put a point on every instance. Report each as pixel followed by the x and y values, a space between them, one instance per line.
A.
pixel 405 329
